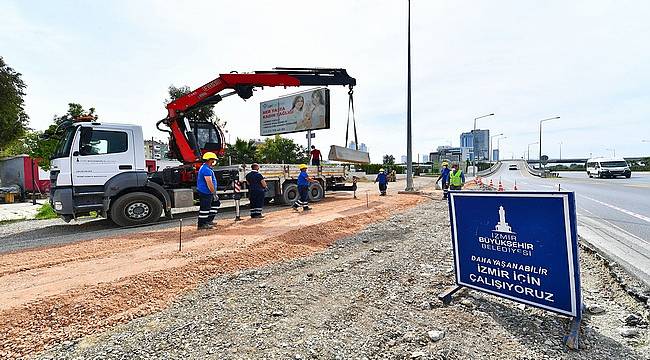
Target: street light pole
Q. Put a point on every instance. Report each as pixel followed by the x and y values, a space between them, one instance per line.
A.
pixel 409 156
pixel 528 157
pixel 612 150
pixel 474 141
pixel 491 148
pixel 540 139
pixel 499 145
pixel 560 150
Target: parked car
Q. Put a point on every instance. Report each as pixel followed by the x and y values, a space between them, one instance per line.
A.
pixel 608 168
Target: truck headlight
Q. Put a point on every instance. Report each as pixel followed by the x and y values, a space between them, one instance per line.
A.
pixel 58 205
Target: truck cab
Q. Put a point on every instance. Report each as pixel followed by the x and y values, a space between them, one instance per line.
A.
pixel 100 167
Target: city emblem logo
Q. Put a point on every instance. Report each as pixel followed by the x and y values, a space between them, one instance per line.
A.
pixel 502 225
pixel 502 239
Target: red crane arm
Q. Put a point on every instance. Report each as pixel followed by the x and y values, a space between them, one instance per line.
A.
pixel 242 84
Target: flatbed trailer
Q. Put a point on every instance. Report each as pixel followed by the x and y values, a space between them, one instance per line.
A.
pixel 282 181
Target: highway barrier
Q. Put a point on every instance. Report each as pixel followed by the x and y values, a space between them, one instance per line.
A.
pixel 491 170
pixel 533 171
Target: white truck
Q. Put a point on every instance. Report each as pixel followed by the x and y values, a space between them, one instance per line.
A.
pixel 101 167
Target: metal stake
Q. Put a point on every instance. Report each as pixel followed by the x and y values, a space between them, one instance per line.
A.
pixel 367 200
pixel 237 216
pixel 180 234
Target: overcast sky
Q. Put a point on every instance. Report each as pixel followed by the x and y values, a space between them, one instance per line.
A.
pixel 586 61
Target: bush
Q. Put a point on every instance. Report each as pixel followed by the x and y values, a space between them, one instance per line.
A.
pixel 46 212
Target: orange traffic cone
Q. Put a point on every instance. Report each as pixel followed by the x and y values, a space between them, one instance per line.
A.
pixel 501 187
pixel 515 188
pixel 491 185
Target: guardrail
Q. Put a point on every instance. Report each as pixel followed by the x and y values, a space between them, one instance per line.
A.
pixel 491 170
pixel 533 171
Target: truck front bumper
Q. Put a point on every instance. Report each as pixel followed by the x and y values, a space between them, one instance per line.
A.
pixel 61 201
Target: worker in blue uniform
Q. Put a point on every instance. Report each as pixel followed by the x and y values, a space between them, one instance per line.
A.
pixel 206 187
pixel 382 179
pixel 256 188
pixel 444 176
pixel 303 189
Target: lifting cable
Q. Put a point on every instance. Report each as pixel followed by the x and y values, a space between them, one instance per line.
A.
pixel 354 122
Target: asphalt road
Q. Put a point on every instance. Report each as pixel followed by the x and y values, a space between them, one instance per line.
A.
pixel 614 213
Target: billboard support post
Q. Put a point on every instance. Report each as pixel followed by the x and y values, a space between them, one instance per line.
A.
pixel 309 140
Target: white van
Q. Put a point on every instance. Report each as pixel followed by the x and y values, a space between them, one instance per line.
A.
pixel 608 167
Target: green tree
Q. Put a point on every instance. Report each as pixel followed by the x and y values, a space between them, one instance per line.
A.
pixel 242 152
pixel 24 145
pixel 389 160
pixel 203 113
pixel 48 140
pixel 277 150
pixel 13 119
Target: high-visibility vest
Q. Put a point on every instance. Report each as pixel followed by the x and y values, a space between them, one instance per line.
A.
pixel 454 178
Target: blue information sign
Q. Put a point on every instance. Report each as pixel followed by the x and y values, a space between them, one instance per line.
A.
pixel 519 245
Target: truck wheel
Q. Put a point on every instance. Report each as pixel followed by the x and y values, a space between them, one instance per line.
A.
pixel 289 194
pixel 316 192
pixel 136 208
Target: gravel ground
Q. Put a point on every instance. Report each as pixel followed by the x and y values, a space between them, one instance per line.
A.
pixel 374 296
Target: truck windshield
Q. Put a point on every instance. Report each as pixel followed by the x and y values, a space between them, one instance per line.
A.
pixel 65 144
pixel 612 164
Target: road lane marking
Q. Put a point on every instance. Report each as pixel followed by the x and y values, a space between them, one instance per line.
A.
pixel 625 211
pixel 638 186
pixel 618 227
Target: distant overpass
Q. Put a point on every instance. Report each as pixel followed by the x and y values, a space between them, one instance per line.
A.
pixel 577 160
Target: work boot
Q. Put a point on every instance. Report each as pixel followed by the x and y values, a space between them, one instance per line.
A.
pixel 204 227
pixel 306 208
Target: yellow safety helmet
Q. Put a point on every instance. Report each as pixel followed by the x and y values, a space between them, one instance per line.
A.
pixel 302 166
pixel 209 155
pixel 444 163
pixel 381 170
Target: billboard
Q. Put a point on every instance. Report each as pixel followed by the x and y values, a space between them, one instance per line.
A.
pixel 308 110
pixel 521 246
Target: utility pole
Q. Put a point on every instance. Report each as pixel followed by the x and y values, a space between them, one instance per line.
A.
pixel 560 150
pixel 409 155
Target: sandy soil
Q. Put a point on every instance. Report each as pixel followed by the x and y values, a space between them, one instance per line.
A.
pixel 55 294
